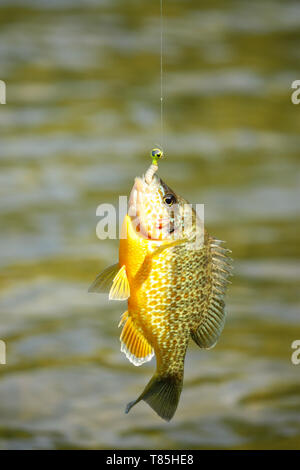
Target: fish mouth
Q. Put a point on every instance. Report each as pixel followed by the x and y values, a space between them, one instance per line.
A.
pixel 136 203
pixel 136 198
pixel 137 210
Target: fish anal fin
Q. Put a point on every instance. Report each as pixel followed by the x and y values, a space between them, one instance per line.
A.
pixel 103 282
pixel 120 289
pixel 133 343
pixel 123 319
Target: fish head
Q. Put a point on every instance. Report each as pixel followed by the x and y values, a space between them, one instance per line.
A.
pixel 157 212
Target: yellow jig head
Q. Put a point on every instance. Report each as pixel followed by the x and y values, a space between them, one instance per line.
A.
pixel 156 154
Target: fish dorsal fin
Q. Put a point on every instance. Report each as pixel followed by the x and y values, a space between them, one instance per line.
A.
pixel 133 343
pixel 120 289
pixel 213 317
pixel 113 280
pixel 103 282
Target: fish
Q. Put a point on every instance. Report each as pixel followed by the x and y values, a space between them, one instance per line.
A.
pixel 175 287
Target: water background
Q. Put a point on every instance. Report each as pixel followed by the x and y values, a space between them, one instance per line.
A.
pixel 82 114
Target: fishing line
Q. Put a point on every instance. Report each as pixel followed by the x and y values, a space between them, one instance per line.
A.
pixel 157 153
pixel 161 75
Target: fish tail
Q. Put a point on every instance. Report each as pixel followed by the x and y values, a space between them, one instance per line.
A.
pixel 162 393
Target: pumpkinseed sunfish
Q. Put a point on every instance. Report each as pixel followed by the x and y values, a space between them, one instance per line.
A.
pixel 175 288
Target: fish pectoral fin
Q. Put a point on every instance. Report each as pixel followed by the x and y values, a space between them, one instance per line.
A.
pixel 163 247
pixel 133 343
pixel 208 332
pixel 113 280
pixel 103 282
pixel 120 289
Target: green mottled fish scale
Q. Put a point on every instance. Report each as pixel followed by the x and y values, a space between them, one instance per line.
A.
pixel 183 291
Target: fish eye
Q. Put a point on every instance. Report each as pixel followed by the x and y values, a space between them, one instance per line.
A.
pixel 169 199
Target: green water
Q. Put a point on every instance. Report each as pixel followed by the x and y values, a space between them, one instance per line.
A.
pixel 82 113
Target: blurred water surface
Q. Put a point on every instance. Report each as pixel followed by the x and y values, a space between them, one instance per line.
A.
pixel 82 114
